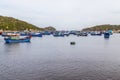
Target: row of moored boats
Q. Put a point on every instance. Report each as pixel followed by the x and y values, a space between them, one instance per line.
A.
pixel 18 37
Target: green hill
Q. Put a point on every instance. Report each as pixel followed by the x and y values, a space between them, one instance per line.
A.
pixel 9 23
pixel 103 28
pixel 50 28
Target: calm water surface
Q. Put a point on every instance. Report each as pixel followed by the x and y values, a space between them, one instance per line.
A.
pixel 53 58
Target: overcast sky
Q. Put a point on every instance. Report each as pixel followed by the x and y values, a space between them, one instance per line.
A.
pixel 63 14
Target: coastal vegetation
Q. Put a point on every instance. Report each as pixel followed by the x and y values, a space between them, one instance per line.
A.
pixel 49 28
pixel 12 24
pixel 103 28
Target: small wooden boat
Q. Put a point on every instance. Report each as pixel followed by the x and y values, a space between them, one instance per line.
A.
pixel 72 43
pixel 16 39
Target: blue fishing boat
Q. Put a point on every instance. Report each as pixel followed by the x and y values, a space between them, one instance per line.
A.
pixel 82 34
pixel 46 33
pixel 58 34
pixel 5 34
pixel 16 39
pixel 110 32
pixel 24 33
pixel 73 32
pixel 66 33
pixel 96 33
pixel 36 34
pixel 106 35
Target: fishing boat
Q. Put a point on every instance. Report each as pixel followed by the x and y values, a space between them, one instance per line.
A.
pixel 16 39
pixel 46 33
pixel 82 34
pixel 36 34
pixel 96 33
pixel 5 34
pixel 58 34
pixel 24 33
pixel 0 33
pixel 106 35
pixel 72 43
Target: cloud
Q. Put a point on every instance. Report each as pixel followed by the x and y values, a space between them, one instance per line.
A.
pixel 63 14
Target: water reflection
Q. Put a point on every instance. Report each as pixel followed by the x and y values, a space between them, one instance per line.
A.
pixel 50 58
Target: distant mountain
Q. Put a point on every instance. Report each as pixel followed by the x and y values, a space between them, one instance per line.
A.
pixel 50 28
pixel 12 24
pixel 103 28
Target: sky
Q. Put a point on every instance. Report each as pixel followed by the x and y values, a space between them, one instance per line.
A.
pixel 63 14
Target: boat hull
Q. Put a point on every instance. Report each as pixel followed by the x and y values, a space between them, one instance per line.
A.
pixel 36 34
pixel 106 35
pixel 17 40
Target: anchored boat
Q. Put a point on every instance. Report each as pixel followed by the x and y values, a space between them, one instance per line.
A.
pixel 36 34
pixel 106 35
pixel 16 39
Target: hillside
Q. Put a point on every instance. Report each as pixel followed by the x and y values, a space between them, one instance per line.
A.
pixel 103 28
pixel 50 28
pixel 9 23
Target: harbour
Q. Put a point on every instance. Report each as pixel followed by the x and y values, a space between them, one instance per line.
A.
pixel 59 40
pixel 53 58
